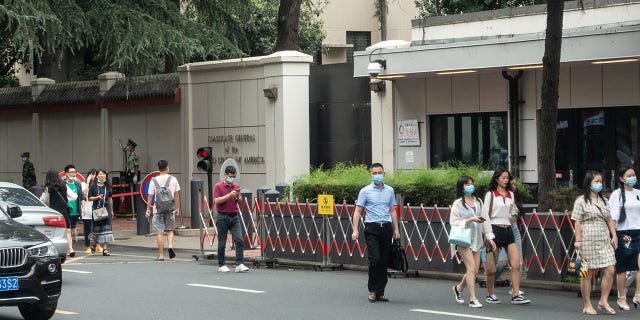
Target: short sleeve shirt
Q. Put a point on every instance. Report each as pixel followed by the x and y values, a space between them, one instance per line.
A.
pixel 174 186
pixel 377 202
pixel 221 189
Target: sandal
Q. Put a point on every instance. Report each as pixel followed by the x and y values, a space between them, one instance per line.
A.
pixel 589 311
pixel 158 259
pixel 623 306
pixel 105 252
pixel 606 308
pixel 72 254
pixel 636 302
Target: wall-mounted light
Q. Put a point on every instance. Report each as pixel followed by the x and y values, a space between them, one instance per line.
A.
pixel 377 85
pixel 271 93
pixel 535 66
pixel 455 72
pixel 615 61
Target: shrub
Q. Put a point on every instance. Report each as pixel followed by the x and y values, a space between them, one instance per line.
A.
pixel 423 186
pixel 563 197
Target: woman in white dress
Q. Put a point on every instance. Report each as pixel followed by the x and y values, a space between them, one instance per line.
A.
pixel 466 211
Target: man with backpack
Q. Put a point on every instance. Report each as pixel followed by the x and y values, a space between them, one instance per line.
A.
pixel 165 192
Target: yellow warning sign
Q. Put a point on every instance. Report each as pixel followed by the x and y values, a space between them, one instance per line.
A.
pixel 325 204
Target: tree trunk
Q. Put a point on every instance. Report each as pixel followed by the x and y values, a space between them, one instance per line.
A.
pixel 549 109
pixel 288 21
pixel 44 67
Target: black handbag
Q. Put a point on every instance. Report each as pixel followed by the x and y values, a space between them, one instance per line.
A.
pixel 397 257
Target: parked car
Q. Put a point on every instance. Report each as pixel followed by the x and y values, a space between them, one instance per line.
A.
pixel 30 269
pixel 35 214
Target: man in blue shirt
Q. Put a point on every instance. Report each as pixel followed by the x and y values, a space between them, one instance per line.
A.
pixel 380 224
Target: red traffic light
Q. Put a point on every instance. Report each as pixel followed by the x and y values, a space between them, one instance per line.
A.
pixel 205 164
pixel 204 153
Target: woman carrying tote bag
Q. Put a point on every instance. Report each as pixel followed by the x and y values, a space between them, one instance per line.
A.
pixel 466 213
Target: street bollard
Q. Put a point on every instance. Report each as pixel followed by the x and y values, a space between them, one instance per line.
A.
pixel 282 188
pixel 142 222
pixel 197 186
pixel 271 196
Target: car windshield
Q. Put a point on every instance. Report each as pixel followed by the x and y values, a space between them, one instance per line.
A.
pixel 19 197
pixel 3 216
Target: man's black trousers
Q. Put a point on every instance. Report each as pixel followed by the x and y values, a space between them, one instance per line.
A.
pixel 378 237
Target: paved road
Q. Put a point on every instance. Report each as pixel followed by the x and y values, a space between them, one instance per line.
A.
pixel 130 285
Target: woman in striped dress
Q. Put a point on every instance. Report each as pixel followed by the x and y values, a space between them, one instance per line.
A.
pixel 595 239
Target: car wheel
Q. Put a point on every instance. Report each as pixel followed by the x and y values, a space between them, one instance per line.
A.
pixel 42 310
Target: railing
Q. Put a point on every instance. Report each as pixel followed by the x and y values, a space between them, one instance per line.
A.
pixel 296 231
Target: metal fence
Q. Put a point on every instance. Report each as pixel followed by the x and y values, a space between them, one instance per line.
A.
pixel 296 231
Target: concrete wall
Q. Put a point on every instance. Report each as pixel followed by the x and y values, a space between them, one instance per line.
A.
pixel 90 139
pixel 224 107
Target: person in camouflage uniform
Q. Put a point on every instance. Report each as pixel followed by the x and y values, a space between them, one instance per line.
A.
pixel 28 172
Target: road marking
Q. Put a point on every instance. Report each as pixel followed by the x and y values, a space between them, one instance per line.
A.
pixel 457 314
pixel 224 288
pixel 76 271
pixel 66 312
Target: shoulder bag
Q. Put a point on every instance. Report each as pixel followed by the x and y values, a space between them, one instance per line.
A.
pixel 100 213
pixel 44 197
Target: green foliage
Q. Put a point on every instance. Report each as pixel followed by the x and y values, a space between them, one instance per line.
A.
pixel 139 37
pixel 261 28
pixel 423 186
pixel 562 198
pixel 428 8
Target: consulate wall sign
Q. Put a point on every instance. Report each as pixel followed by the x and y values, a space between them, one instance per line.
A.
pixel 231 146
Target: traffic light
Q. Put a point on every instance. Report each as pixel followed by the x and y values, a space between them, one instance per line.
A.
pixel 205 164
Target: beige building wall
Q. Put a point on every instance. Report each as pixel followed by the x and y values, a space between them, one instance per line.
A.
pixel 340 16
pixel 582 85
pixel 225 107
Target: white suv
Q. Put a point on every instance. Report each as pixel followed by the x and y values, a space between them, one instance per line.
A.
pixel 35 214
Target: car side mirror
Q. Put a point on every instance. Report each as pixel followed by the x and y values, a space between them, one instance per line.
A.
pixel 14 212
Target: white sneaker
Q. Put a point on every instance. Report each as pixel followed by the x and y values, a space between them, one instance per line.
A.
pixel 241 268
pixel 519 292
pixel 223 269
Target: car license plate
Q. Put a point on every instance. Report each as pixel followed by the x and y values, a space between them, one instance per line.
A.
pixel 9 283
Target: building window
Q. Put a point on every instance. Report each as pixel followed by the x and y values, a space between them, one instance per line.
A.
pixel 469 139
pixel 360 40
pixel 596 139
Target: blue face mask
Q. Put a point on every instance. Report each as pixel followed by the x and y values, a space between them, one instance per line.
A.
pixel 24 158
pixel 377 179
pixel 230 180
pixel 596 187
pixel 631 181
pixel 469 189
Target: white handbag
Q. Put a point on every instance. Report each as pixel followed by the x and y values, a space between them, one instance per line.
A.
pixel 44 197
pixel 460 236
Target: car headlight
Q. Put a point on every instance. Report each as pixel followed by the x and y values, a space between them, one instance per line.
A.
pixel 46 249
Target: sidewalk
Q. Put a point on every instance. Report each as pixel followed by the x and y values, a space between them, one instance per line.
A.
pixel 185 240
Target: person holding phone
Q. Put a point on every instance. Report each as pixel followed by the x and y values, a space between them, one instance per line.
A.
pixel 466 211
pixel 225 195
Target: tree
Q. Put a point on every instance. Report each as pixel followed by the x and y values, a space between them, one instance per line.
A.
pixel 288 24
pixel 144 36
pixel 549 108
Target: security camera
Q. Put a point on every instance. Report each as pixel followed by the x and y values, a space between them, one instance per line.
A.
pixel 375 67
